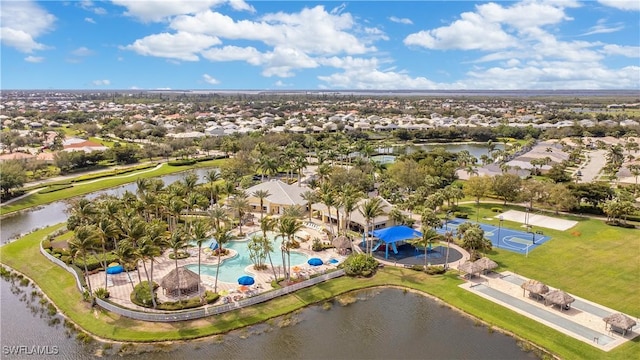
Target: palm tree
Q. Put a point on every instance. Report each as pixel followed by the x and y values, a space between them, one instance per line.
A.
pixel 80 212
pixel 240 205
pixel 149 248
pixel 300 162
pixel 106 230
pixel 218 215
pixel 200 231
pixel 328 199
pixel 125 254
pixel 211 177
pixel 310 197
pixel 349 197
pixel 370 209
pixel 177 241
pixel 222 236
pixel 83 242
pixel 268 224
pixel 428 236
pixel 288 227
pixel 261 195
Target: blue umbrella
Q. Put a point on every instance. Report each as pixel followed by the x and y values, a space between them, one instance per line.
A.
pixel 246 280
pixel 315 262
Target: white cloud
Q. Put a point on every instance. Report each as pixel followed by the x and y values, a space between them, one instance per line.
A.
pixel 524 14
pixel 603 28
pixel 180 46
pixel 280 83
pixel 34 59
pixel 159 10
pixel 90 6
pixel 469 33
pixel 400 20
pixel 82 51
pixel 101 83
pixel 89 20
pixel 282 61
pixel 554 75
pixel 632 5
pixel 628 51
pixel 210 79
pixel 312 30
pixel 22 22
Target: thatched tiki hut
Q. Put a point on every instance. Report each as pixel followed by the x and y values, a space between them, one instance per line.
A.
pixel 342 243
pixel 486 264
pixel 619 323
pixel 535 288
pixel 184 280
pixel 470 268
pixel 560 298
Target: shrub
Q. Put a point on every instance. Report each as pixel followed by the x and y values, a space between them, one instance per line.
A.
pixel 496 209
pixel 46 244
pixel 182 162
pixel 93 262
pixel 317 245
pixel 460 215
pixel 360 265
pixel 181 255
pixel 221 252
pixel 196 301
pixel 417 267
pixel 66 259
pixel 102 293
pixel 435 270
pixel 53 188
pixel 141 295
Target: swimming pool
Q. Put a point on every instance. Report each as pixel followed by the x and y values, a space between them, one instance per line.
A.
pixel 231 269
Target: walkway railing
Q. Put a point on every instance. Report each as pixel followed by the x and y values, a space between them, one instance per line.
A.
pixel 198 313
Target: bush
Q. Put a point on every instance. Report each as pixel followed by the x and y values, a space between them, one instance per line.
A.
pixel 66 259
pixel 360 265
pixel 53 188
pixel 181 255
pixel 46 244
pixel 435 270
pixel 496 209
pixel 317 245
pixel 193 302
pixel 621 224
pixel 182 162
pixel 93 262
pixel 417 267
pixel 460 215
pixel 141 295
pixel 102 293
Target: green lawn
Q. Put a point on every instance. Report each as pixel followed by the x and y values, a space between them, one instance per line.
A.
pixel 592 260
pixel 99 184
pixel 556 263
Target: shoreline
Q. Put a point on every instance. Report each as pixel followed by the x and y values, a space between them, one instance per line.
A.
pixel 213 336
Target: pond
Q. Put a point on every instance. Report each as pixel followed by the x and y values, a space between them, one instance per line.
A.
pixel 371 324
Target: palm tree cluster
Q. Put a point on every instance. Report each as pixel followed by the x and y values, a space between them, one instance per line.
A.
pixel 138 228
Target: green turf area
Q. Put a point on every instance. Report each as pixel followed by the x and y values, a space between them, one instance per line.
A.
pixel 599 265
pixel 100 184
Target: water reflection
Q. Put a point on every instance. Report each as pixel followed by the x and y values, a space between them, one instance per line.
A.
pixel 380 324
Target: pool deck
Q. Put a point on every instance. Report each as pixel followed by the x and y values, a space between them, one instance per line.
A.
pixel 583 321
pixel 120 289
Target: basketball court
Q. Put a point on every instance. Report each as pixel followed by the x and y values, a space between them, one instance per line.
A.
pixel 513 240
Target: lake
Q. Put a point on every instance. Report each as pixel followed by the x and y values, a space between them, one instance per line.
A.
pixel 374 324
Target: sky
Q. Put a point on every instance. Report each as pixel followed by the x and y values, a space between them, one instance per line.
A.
pixel 328 45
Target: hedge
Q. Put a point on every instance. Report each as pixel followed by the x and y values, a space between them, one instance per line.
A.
pixel 93 261
pixel 54 188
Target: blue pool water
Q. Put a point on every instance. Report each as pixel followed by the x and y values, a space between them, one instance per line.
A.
pixel 232 269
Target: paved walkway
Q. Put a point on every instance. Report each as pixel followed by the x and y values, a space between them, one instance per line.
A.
pixel 583 321
pixel 591 170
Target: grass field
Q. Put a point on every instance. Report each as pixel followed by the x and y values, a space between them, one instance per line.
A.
pixel 600 265
pixel 592 260
pixel 99 184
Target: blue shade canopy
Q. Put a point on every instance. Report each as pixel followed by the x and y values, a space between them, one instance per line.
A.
pixel 213 245
pixel 246 280
pixel 315 262
pixel 117 269
pixel 396 233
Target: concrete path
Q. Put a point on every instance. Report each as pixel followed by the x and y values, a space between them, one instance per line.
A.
pixel 590 171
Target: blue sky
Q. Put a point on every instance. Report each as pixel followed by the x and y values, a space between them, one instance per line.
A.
pixel 279 45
